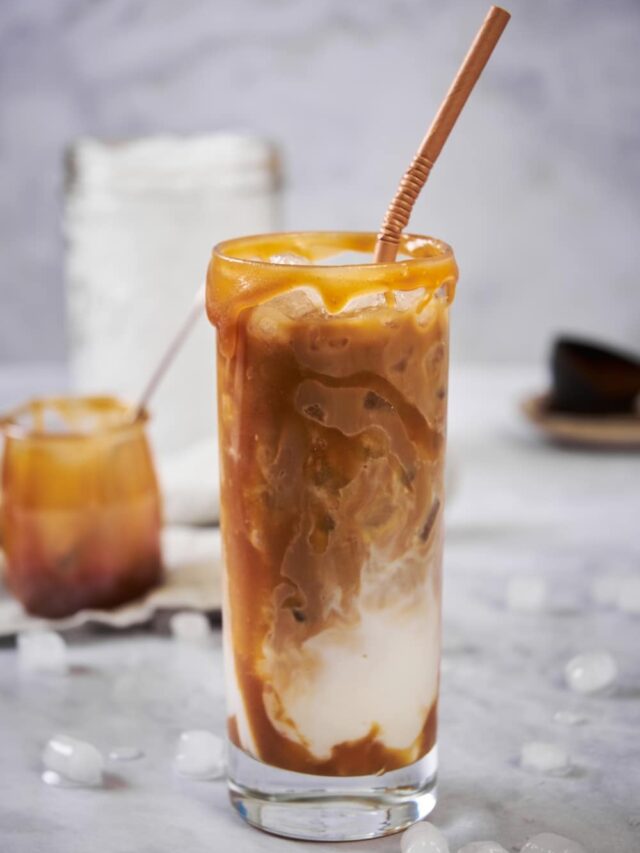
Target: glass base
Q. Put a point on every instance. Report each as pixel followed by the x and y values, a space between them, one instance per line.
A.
pixel 331 808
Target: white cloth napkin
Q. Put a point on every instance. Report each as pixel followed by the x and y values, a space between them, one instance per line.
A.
pixel 189 480
pixel 193 562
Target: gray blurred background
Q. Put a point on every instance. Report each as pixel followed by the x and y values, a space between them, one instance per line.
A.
pixel 538 189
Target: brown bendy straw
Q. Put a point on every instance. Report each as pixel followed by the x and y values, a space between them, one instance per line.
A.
pixel 399 211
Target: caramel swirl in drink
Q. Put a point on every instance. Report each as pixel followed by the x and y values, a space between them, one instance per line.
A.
pixel 332 384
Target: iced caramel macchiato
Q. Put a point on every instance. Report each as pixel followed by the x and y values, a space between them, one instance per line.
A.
pixel 332 388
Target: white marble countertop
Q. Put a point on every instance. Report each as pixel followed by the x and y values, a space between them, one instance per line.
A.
pixel 517 506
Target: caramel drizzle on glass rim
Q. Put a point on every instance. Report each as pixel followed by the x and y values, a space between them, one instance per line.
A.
pixel 241 274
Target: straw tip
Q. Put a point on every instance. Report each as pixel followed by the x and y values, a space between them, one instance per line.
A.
pixel 498 11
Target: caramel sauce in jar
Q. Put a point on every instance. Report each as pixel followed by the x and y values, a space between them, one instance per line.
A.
pixel 81 510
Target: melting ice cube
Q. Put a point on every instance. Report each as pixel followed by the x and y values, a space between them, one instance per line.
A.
pixel 482 847
pixel 367 300
pixel 527 594
pixel 549 758
pixel 74 760
pixel 297 303
pixel 269 324
pixel 407 299
pixel 200 755
pixel 190 627
pixel 591 672
pixel 423 837
pixel 548 842
pixel 42 651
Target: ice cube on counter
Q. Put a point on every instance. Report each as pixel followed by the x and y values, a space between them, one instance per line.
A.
pixel 190 627
pixel 423 837
pixel 569 718
pixel 73 760
pixel 591 672
pixel 42 651
pixel 126 753
pixel 527 594
pixel 482 847
pixel 628 599
pixel 548 842
pixel 200 755
pixel 550 758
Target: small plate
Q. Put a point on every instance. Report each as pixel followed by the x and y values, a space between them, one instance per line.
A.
pixel 614 431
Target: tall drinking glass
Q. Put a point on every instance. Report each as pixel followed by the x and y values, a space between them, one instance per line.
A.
pixel 332 384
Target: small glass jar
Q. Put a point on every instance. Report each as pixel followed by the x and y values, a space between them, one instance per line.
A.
pixel 81 512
